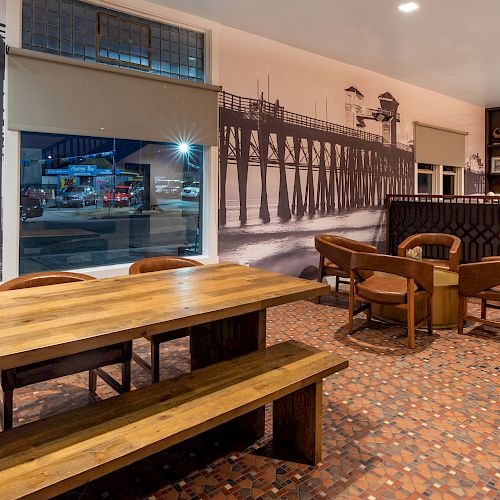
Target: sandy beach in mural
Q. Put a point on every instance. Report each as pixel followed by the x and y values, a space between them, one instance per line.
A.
pixel 289 247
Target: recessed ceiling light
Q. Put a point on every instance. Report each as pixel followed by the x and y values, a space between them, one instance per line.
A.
pixel 408 7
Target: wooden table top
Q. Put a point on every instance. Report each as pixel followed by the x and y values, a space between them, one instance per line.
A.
pixel 46 322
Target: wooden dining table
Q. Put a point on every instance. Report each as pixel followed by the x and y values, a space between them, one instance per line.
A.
pixel 224 305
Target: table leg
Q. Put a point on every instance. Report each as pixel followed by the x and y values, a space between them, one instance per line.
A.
pixel 226 339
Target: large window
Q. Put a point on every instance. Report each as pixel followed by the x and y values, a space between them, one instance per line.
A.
pixel 439 179
pixel 92 201
pixel 85 31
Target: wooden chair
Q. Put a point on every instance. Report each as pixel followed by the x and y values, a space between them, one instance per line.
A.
pixel 333 261
pixel 93 360
pixel 480 280
pixel 492 258
pixel 388 289
pixel 436 239
pixel 149 265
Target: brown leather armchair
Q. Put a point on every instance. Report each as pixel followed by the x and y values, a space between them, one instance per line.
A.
pixel 439 239
pixel 162 263
pixel 389 289
pixel 492 258
pixel 334 256
pixel 151 264
pixel 479 280
pixel 93 360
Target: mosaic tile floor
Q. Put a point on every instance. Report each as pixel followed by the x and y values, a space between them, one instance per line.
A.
pixel 398 423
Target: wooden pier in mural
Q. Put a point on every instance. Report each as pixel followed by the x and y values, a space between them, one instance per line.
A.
pixel 345 167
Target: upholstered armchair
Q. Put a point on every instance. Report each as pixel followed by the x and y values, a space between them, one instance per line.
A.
pixel 378 279
pixel 148 265
pixel 437 239
pixel 334 256
pixel 93 360
pixel 492 258
pixel 482 281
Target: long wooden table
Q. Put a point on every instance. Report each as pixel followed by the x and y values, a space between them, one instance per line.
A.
pixel 224 304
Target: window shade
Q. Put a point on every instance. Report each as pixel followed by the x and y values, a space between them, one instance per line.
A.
pixel 56 94
pixel 439 146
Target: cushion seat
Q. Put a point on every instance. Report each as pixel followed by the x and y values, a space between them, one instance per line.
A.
pixel 332 269
pixel 386 290
pixel 443 264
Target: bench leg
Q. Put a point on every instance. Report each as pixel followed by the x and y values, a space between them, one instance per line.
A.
pixel 297 423
pixel 7 410
pixel 226 339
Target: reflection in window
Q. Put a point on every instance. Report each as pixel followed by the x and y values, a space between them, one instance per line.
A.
pixel 91 201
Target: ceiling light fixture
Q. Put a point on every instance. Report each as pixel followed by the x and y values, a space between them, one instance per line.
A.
pixel 408 7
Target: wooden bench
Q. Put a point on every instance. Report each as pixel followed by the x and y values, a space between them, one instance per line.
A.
pixel 51 456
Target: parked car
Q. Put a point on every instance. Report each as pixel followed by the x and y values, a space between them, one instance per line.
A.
pixel 35 192
pixel 191 192
pixel 172 188
pixel 78 196
pixel 31 206
pixel 123 197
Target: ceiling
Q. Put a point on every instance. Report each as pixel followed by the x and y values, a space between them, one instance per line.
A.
pixel 450 46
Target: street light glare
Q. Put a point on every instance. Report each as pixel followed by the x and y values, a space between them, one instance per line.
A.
pixel 183 147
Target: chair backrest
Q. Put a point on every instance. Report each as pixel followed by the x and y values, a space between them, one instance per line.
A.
pixel 453 243
pixel 42 279
pixel 162 263
pixel 421 272
pixel 422 239
pixel 339 250
pixel 478 276
pixel 492 258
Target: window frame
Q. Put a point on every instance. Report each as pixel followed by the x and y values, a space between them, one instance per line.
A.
pixel 438 172
pixel 427 171
pixel 455 176
pixel 12 140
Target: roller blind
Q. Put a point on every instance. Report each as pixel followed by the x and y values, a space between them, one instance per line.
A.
pixel 56 94
pixel 439 146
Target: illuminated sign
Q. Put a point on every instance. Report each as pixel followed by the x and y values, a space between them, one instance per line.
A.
pixel 81 170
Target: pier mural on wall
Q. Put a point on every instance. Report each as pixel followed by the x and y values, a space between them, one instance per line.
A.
pixel 285 177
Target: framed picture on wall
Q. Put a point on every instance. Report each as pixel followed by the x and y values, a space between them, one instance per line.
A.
pixel 495 165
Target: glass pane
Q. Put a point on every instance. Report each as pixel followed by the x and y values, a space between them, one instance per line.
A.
pixel 86 31
pixel 424 183
pixel 425 166
pixel 92 201
pixel 448 184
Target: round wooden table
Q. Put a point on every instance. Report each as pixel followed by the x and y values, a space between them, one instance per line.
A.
pixel 444 303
